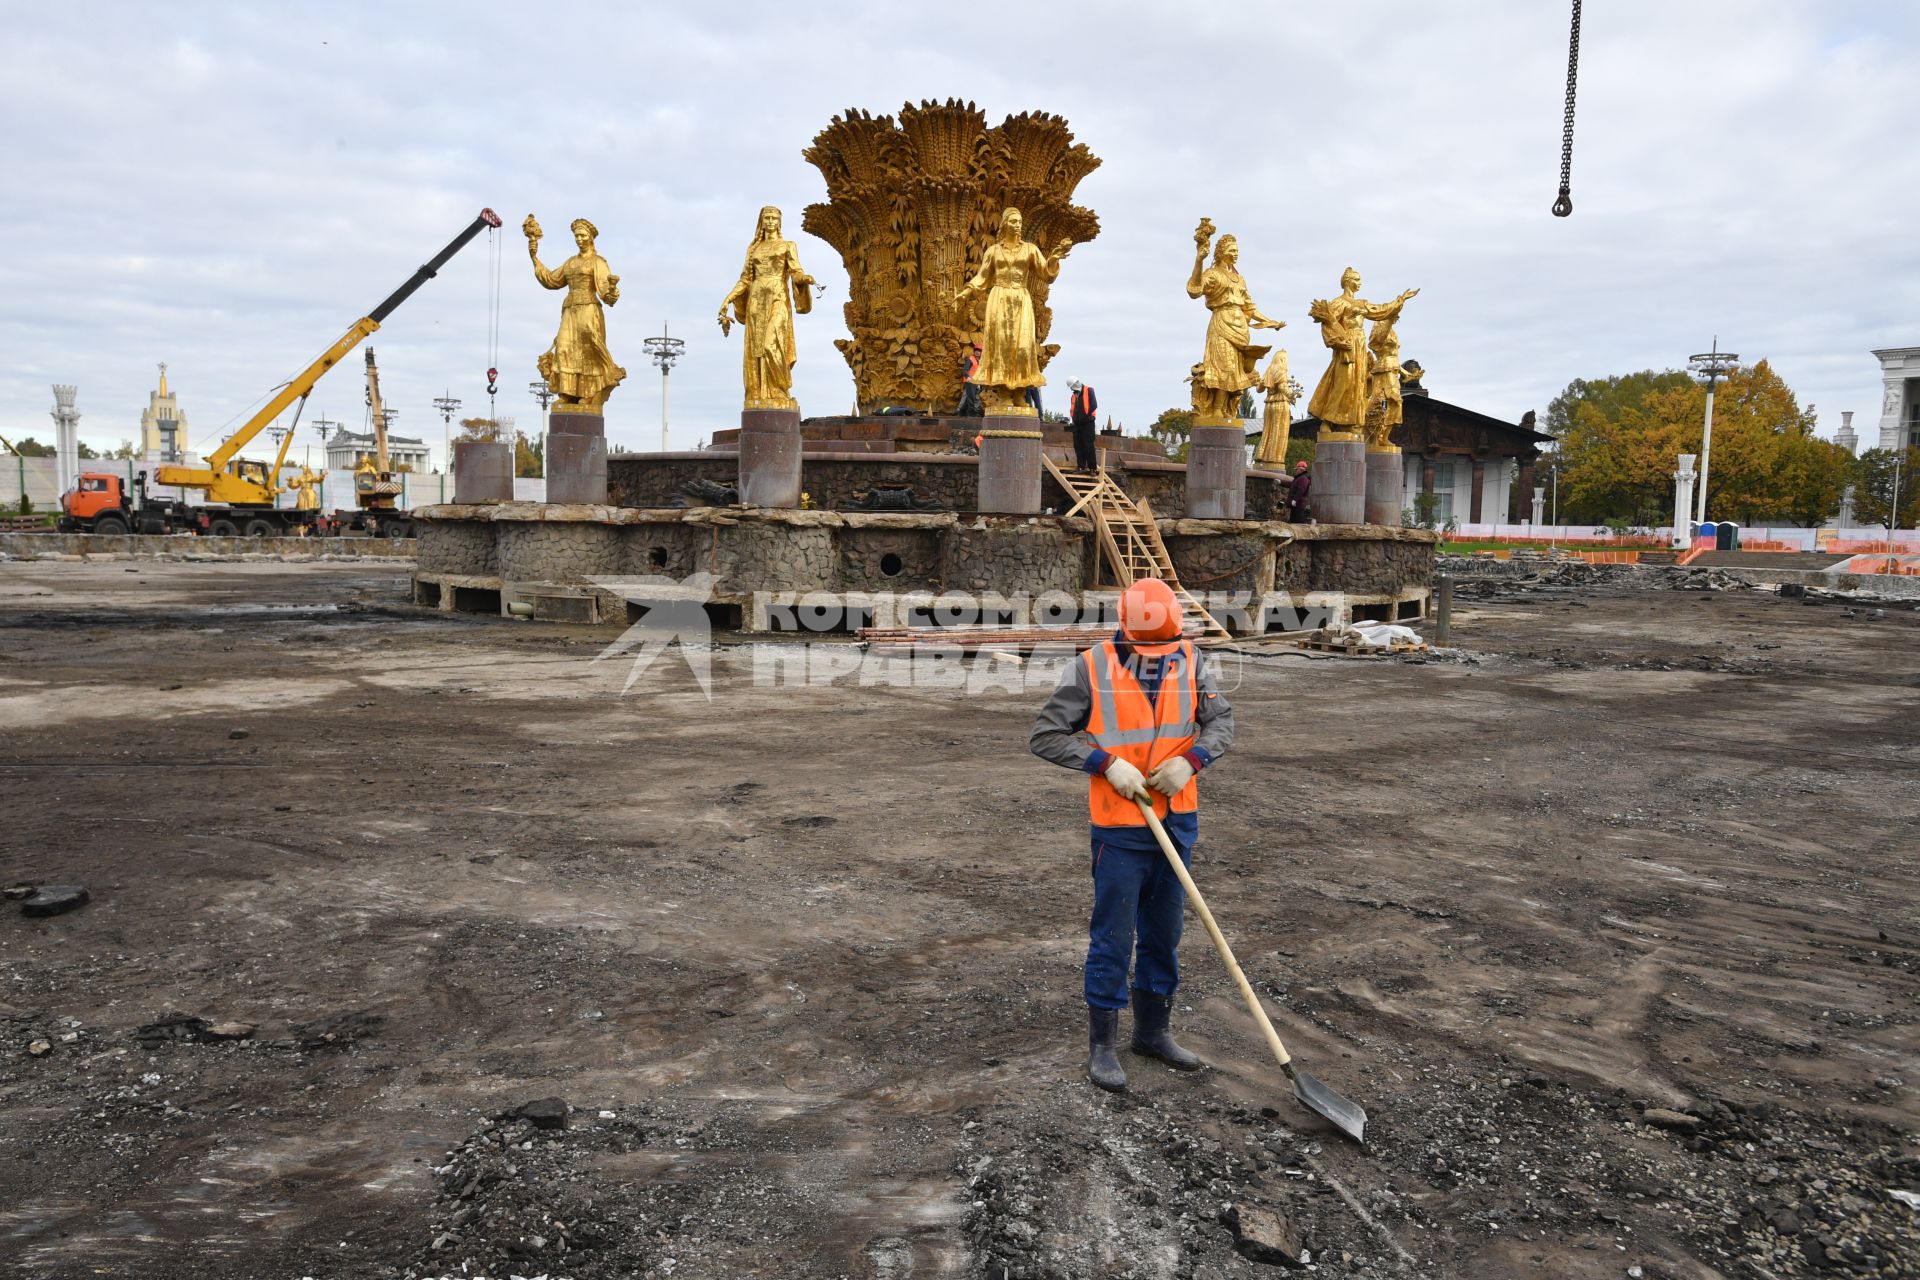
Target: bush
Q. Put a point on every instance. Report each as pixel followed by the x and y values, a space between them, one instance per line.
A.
pixel 26 505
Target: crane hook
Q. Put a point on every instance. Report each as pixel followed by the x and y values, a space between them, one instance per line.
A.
pixel 1563 207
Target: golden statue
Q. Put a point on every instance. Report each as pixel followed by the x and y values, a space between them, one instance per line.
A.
pixel 771 288
pixel 1281 392
pixel 1226 368
pixel 912 208
pixel 1010 360
pixel 1384 405
pixel 307 484
pixel 1340 401
pixel 578 366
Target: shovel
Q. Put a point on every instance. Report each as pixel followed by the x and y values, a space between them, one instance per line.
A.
pixel 1348 1116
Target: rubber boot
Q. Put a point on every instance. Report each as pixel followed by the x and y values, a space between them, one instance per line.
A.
pixel 1103 1064
pixel 1150 1035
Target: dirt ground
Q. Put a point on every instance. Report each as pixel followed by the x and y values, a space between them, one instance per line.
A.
pixel 804 962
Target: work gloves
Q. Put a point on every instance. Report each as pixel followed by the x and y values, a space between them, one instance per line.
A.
pixel 1126 779
pixel 1170 775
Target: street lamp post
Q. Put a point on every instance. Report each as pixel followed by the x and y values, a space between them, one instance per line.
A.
pixel 546 395
pixel 447 405
pixel 1713 365
pixel 665 351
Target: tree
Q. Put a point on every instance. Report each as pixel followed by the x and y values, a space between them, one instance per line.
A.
pixel 28 447
pixel 1174 430
pixel 1873 479
pixel 1813 475
pixel 1611 397
pixel 125 451
pixel 528 455
pixel 1620 439
pixel 85 450
pixel 478 431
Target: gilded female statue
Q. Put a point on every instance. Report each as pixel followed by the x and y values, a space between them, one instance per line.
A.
pixel 578 366
pixel 1226 367
pixel 771 288
pixel 1278 414
pixel 1010 356
pixel 1385 407
pixel 1340 401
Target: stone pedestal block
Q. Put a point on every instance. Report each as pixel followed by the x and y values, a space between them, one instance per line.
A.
pixel 770 457
pixel 1340 481
pixel 1386 486
pixel 576 458
pixel 482 472
pixel 1217 474
pixel 1010 466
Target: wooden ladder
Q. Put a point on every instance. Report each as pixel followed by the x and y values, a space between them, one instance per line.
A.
pixel 1130 542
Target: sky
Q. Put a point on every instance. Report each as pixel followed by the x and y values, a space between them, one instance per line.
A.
pixel 228 187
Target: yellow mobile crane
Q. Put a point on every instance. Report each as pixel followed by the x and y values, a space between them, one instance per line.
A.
pixel 240 489
pixel 376 487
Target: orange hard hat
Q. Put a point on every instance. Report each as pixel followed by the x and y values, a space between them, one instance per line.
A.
pixel 1150 615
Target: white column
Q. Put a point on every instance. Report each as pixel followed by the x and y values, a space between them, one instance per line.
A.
pixel 1540 504
pixel 1683 478
pixel 66 438
pixel 1892 404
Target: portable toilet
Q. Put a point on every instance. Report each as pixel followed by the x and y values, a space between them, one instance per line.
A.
pixel 1727 537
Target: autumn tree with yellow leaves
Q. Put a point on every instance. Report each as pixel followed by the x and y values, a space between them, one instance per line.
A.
pixel 1620 438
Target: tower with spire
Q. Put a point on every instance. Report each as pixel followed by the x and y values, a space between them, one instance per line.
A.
pixel 163 428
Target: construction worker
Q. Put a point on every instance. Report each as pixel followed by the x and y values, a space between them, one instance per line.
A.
pixel 1081 408
pixel 1153 718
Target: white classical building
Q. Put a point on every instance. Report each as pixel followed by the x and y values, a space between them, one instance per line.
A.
pixel 1900 397
pixel 346 449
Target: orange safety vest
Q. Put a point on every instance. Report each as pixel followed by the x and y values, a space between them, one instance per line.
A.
pixel 1123 723
pixel 1077 404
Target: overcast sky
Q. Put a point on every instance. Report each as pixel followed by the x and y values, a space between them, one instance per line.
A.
pixel 228 187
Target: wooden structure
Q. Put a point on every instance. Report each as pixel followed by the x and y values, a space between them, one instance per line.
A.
pixel 1130 543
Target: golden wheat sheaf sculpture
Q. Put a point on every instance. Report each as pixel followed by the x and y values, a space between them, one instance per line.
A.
pixel 911 207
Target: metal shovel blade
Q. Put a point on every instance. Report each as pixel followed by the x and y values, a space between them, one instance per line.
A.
pixel 1349 1116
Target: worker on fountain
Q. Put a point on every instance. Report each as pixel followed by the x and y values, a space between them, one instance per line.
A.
pixel 1153 717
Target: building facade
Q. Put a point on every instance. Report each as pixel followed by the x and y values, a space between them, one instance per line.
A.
pixel 163 428
pixel 1479 469
pixel 1899 397
pixel 346 449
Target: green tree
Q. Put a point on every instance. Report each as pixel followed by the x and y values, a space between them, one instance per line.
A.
pixel 1610 397
pixel 125 451
pixel 28 447
pixel 1813 474
pixel 85 450
pixel 528 455
pixel 1873 484
pixel 1174 430
pixel 1621 438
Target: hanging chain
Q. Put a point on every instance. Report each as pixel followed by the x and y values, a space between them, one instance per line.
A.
pixel 1564 205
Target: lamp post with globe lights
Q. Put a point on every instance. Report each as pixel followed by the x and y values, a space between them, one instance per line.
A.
pixel 665 351
pixel 447 405
pixel 1712 365
pixel 546 395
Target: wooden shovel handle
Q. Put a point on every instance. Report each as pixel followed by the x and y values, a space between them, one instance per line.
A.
pixel 1213 931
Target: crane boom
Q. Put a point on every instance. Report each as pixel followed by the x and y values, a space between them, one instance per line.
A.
pixel 219 477
pixel 379 415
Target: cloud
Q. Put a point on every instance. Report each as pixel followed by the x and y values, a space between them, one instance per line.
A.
pixel 228 188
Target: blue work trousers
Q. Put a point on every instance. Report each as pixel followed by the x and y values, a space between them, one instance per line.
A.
pixel 1137 911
